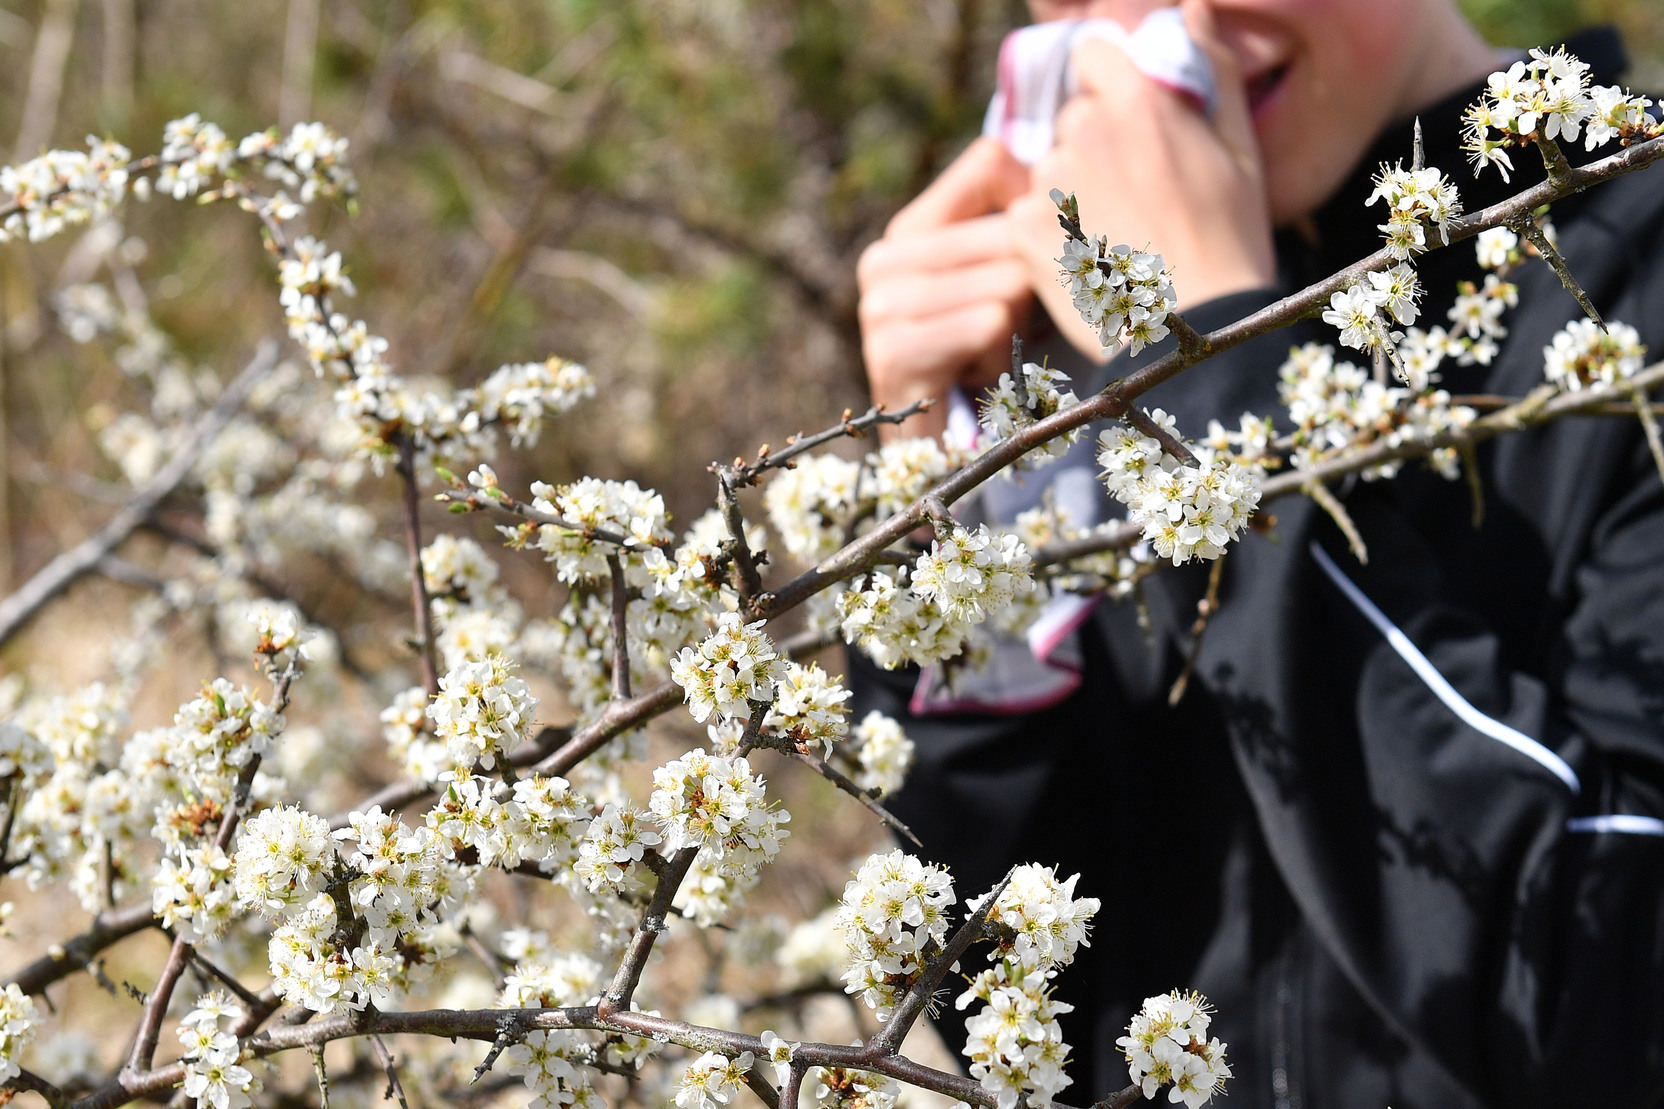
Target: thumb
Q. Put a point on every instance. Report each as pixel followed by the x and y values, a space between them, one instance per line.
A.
pixel 984 179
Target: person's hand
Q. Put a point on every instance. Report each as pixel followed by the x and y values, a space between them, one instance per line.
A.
pixel 942 292
pixel 1150 170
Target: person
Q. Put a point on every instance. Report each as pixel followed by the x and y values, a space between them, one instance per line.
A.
pixel 1405 828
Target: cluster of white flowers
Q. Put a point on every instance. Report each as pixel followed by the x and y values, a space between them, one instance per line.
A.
pixel 614 841
pixel 810 503
pixel 591 504
pixel 904 469
pixel 521 394
pixel 883 753
pixel 395 873
pixel 62 187
pixel 1126 294
pixel 893 914
pixel 481 711
pixel 1014 404
pixel 19 1021
pixel 403 725
pixel 1167 1044
pixel 808 707
pixel 895 624
pixel 973 572
pixel 1582 355
pixel 282 857
pixel 845 1088
pixel 712 1080
pixel 928 611
pixel 1337 406
pixel 1549 95
pixel 311 159
pixel 1357 310
pixel 717 805
pixel 734 666
pixel 214 1075
pixel 281 635
pixel 1416 199
pixel 1047 920
pixel 1186 511
pixel 1014 1042
pixel 192 892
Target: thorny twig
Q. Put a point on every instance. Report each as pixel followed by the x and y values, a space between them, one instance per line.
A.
pixel 851 426
pixel 1205 608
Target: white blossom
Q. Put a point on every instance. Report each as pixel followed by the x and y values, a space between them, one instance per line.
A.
pixel 892 910
pixel 1416 200
pixel 712 1080
pixel 61 188
pixel 972 573
pixel 1582 355
pixel 614 841
pixel 734 666
pixel 1167 1044
pixel 481 711
pixel 884 753
pixel 1012 405
pixel 282 856
pixel 809 503
pixel 808 706
pixel 1186 511
pixel 19 1022
pixel 1125 294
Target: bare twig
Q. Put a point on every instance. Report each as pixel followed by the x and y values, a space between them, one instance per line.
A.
pixel 29 1080
pixel 832 774
pixel 156 1008
pixel 67 568
pixel 747 581
pixel 419 601
pixel 1527 228
pixel 759 1085
pixel 1205 608
pixel 852 426
pixel 395 1088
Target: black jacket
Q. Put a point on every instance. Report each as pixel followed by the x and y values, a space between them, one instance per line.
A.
pixel 1392 899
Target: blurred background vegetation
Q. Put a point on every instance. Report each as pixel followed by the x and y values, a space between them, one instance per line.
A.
pixel 672 191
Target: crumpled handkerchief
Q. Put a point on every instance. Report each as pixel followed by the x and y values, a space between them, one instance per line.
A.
pixel 1035 78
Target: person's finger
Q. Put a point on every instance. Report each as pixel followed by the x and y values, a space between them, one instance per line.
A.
pixel 967 242
pixel 929 293
pixel 1104 71
pixel 983 179
pixel 918 348
pixel 1233 120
